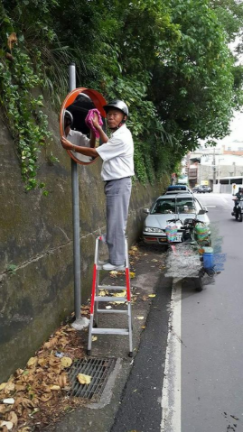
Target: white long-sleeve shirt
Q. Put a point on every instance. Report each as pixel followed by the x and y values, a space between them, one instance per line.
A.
pixel 117 155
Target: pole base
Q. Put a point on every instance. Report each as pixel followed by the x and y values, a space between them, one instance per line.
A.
pixel 80 323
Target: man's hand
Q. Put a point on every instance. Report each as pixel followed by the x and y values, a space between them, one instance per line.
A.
pixel 66 144
pixel 96 122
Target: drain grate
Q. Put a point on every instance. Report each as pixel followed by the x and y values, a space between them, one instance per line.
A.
pixel 98 369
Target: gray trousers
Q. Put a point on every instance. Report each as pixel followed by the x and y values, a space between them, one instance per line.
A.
pixel 118 194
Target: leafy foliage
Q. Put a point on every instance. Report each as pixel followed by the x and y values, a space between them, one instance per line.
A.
pixel 168 60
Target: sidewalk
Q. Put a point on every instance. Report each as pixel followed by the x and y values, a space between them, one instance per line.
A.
pixel 148 265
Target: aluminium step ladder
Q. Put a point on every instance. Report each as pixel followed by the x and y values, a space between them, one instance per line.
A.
pixel 96 298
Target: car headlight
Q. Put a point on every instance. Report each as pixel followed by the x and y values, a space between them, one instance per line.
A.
pixel 153 230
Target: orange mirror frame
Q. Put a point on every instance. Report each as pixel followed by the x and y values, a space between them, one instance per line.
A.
pixel 98 101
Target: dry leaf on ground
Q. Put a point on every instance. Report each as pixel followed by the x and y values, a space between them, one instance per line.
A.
pixel 120 294
pixel 12 417
pixel 32 362
pixel 66 362
pixel 152 295
pixel 2 386
pixel 24 429
pixel 55 387
pixel 84 379
pixel 8 424
pixel 103 293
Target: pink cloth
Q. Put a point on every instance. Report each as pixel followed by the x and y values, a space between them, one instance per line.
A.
pixel 89 122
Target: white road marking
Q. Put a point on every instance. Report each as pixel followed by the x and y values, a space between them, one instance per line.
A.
pixel 171 392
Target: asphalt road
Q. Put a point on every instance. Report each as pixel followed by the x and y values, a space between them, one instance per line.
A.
pixel 190 378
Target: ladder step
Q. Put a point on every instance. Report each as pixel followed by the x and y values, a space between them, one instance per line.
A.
pixel 111 287
pixel 124 311
pixel 110 331
pixel 110 299
pixel 100 267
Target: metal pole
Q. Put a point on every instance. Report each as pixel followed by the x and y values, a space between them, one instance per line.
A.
pixel 214 167
pixel 79 322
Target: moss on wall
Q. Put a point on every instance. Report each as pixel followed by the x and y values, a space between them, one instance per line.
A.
pixel 36 237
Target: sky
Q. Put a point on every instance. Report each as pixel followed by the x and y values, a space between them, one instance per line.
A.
pixel 236 135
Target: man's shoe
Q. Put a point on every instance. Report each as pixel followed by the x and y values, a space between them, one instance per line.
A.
pixel 110 267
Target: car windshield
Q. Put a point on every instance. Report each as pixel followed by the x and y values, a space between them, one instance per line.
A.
pixel 167 206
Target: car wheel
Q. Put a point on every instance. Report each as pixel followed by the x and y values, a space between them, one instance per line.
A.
pixel 240 217
pixel 236 216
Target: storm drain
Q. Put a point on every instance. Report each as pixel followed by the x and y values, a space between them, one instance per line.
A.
pixel 98 369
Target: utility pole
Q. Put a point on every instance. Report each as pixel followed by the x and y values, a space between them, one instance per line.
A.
pixel 80 322
pixel 214 167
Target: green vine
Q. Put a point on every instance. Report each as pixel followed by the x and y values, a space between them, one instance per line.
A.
pixel 27 122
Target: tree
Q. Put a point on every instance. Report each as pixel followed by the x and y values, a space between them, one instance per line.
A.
pixel 193 90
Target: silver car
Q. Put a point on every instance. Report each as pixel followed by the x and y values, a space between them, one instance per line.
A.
pixel 184 206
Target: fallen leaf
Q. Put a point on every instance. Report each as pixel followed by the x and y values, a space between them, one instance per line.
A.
pixel 143 327
pixel 46 397
pixel 19 372
pixel 24 429
pixel 120 294
pixel 84 379
pixel 25 402
pixel 152 295
pixel 42 362
pixel 3 408
pixel 32 362
pixel 50 343
pixel 9 387
pixel 108 307
pixel 140 317
pixel 94 338
pixel 12 417
pixel 113 274
pixel 2 386
pixel 8 424
pixel 66 362
pixel 103 293
pixel 154 260
pixel 55 387
pixel 62 379
pixel 132 275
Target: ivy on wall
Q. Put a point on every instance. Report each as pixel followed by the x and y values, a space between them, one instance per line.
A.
pixel 177 77
pixel 27 123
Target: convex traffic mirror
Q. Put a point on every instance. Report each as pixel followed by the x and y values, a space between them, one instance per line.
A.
pixel 72 119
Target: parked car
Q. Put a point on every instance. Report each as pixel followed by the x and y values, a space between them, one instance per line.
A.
pixel 178 189
pixel 166 207
pixel 203 189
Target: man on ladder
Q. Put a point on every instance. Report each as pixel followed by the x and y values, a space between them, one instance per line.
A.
pixel 117 169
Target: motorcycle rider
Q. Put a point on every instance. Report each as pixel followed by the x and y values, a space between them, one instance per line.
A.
pixel 239 196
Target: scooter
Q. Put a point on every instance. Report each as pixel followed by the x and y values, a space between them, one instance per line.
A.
pixel 238 209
